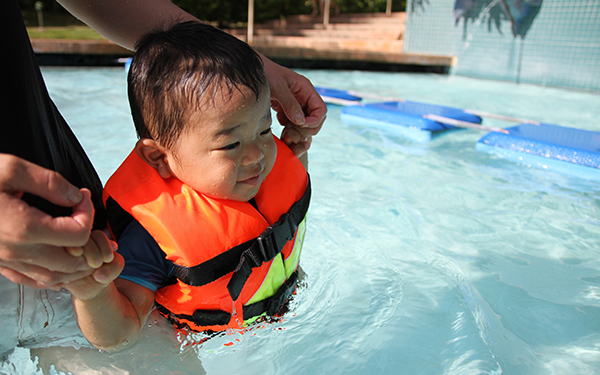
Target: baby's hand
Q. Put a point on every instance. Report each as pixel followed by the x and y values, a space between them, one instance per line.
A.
pixel 93 285
pixel 97 251
pixel 298 139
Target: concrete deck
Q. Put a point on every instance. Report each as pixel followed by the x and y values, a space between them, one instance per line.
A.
pixel 351 40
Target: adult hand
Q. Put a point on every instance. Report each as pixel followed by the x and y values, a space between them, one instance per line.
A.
pixel 295 100
pixel 36 249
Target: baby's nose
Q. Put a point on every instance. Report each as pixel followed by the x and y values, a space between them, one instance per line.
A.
pixel 254 154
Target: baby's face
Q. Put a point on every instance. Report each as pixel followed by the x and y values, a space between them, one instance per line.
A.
pixel 227 149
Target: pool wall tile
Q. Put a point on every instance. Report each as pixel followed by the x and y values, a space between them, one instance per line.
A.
pixel 557 43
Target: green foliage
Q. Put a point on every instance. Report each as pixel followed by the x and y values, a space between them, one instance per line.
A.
pixel 274 9
pixel 50 6
pixel 369 6
pixel 67 32
pixel 228 13
pixel 222 13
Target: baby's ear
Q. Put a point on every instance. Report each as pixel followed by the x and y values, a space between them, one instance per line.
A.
pixel 154 155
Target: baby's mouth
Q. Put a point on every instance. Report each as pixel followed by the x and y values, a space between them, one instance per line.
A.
pixel 253 179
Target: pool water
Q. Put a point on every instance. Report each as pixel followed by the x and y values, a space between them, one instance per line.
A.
pixel 419 258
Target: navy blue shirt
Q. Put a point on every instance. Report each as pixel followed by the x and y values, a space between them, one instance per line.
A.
pixel 145 262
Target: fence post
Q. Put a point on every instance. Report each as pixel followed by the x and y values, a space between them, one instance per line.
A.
pixel 326 14
pixel 250 35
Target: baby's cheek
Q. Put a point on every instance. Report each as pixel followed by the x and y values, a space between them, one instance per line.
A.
pixel 271 155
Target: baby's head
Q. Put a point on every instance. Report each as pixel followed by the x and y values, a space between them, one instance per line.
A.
pixel 201 106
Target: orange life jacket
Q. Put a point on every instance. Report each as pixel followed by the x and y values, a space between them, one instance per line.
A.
pixel 232 261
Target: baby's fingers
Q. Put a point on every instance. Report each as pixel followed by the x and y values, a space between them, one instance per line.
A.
pixel 297 139
pixel 98 250
pixel 109 271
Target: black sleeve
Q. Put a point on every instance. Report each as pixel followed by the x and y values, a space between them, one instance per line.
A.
pixel 32 127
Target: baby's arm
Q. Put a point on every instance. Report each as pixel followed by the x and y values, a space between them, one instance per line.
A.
pixel 110 312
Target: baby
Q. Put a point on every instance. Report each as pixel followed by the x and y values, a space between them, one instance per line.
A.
pixel 209 208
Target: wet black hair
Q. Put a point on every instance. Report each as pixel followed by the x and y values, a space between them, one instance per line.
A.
pixel 176 69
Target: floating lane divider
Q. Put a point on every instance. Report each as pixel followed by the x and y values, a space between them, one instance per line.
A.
pixel 464 124
pixel 550 147
pixel 339 97
pixel 419 122
pixel 471 111
pixel 411 120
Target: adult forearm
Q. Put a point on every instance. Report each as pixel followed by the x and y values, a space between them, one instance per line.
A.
pixel 124 22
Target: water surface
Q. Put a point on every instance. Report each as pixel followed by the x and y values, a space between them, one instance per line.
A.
pixel 419 258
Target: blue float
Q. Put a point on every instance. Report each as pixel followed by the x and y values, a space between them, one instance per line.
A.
pixel 551 147
pixel 336 94
pixel 406 118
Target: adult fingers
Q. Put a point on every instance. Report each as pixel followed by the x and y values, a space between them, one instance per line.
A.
pixel 289 106
pixel 304 94
pixel 38 277
pixel 18 175
pixel 316 111
pixel 313 106
pixel 19 278
pixel 22 224
pixel 280 79
pixel 35 227
pixel 70 230
pixel 29 260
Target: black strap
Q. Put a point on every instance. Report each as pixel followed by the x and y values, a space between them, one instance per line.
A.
pixel 118 218
pixel 242 258
pixel 272 306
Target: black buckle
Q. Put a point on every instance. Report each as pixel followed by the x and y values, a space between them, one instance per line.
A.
pixel 273 239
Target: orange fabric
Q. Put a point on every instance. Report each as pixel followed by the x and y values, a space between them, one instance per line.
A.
pixel 192 228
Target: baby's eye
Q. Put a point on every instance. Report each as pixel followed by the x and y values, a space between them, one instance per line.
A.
pixel 266 131
pixel 232 146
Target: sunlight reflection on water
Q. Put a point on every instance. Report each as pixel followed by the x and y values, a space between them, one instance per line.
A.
pixel 419 258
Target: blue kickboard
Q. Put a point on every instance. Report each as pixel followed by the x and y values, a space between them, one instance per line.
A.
pixel 548 146
pixel 405 118
pixel 338 94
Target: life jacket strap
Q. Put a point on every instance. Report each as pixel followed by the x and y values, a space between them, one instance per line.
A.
pixel 242 258
pixel 272 306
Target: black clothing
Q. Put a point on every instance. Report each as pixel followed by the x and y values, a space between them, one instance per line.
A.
pixel 32 128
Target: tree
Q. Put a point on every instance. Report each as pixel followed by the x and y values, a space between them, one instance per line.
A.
pixel 228 13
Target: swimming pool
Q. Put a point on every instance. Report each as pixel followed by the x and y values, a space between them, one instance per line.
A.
pixel 419 258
